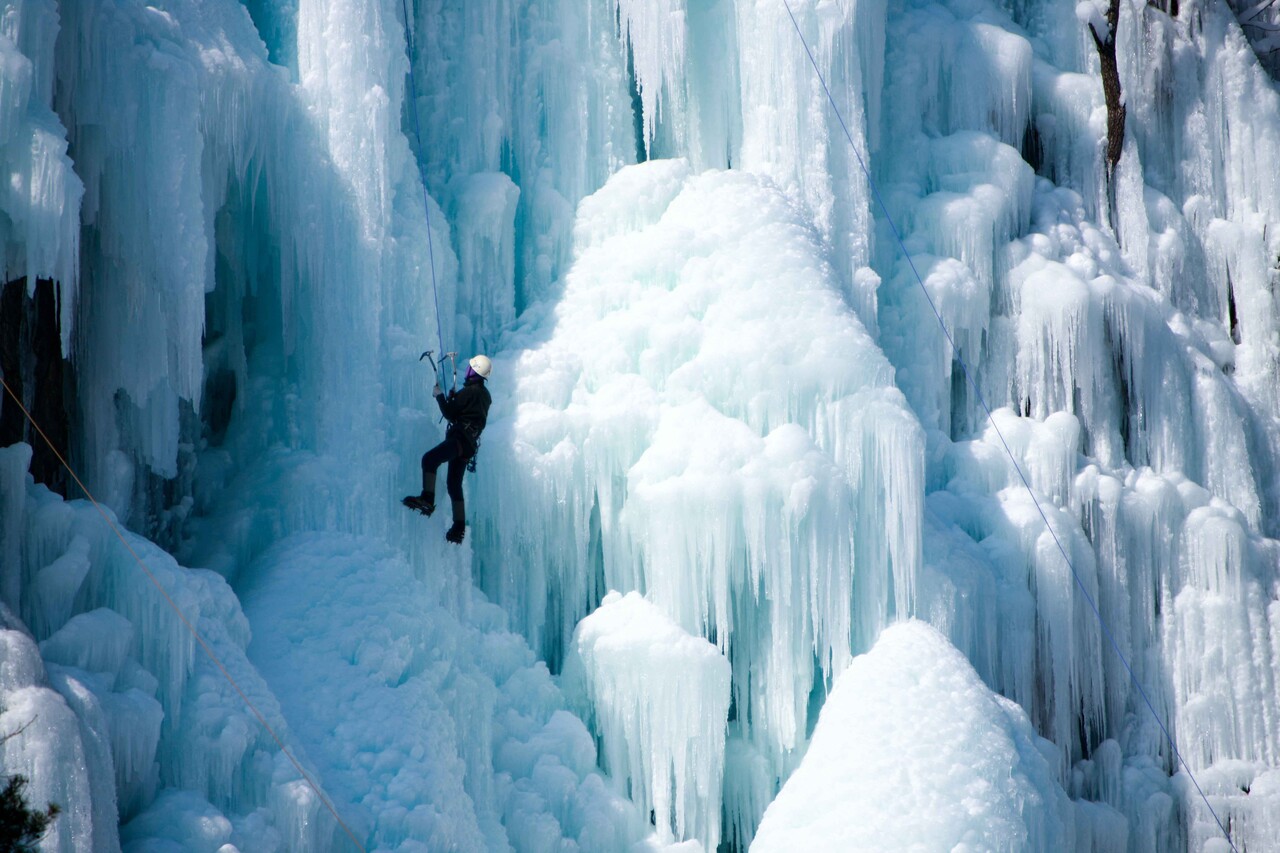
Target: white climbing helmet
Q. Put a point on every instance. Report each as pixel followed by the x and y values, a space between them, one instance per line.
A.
pixel 481 364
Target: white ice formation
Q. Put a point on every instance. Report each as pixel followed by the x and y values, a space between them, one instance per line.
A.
pixel 718 385
pixel 913 751
pixel 659 699
pixel 749 471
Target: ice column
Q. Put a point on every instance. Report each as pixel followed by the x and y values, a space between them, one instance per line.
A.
pixel 39 191
pixel 659 700
pixel 790 132
pixel 484 224
pixel 535 91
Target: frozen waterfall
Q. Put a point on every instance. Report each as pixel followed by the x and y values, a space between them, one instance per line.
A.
pixel 747 559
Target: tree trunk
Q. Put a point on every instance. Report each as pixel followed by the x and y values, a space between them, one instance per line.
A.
pixel 1111 87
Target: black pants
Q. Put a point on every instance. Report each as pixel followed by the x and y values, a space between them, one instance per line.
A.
pixel 450 450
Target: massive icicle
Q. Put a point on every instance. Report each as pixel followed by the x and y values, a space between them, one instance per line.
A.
pixel 659 700
pixel 39 192
pixel 666 430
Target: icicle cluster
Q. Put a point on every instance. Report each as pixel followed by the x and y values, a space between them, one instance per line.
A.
pixel 659 699
pixel 40 192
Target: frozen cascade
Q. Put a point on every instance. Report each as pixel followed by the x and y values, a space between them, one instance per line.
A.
pixel 1166 418
pixel 790 134
pixel 153 711
pixel 534 90
pixel 295 212
pixel 485 216
pixel 149 704
pixel 718 385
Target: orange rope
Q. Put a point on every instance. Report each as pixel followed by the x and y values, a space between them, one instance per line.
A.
pixel 190 627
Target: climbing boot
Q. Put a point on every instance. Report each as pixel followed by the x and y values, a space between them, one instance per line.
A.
pixel 459 528
pixel 424 503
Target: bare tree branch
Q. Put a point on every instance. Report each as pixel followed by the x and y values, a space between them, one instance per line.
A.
pixel 20 730
pixel 1111 85
pixel 1255 10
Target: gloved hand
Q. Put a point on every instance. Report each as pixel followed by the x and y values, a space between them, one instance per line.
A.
pixel 437 391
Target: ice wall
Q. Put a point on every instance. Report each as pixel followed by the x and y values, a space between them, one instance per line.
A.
pixel 718 381
pixel 1108 322
pixel 536 92
pixel 255 300
pixel 790 134
pixel 124 704
pixel 1103 315
pixel 128 721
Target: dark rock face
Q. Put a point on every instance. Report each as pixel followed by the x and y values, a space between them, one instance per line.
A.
pixel 36 372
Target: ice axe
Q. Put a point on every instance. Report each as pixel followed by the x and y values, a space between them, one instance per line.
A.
pixel 452 356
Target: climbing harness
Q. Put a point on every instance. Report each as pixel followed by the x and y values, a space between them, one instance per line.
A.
pixel 875 190
pixel 474 438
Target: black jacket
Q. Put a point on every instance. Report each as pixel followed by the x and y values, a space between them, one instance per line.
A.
pixel 467 411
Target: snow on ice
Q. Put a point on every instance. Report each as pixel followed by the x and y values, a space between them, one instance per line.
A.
pixel 913 751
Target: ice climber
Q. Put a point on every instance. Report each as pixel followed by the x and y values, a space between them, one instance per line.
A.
pixel 466 410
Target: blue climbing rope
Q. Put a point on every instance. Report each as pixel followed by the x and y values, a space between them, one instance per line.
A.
pixel 981 399
pixel 426 205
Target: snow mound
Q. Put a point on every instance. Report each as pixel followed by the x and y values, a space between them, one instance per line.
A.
pixel 913 752
pixel 432 733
